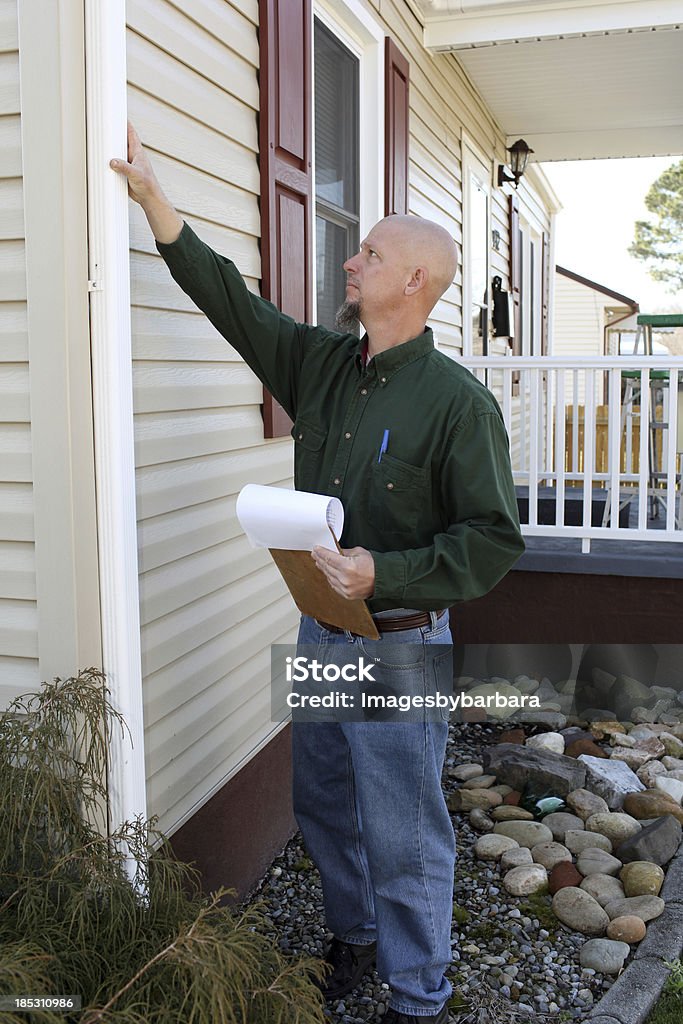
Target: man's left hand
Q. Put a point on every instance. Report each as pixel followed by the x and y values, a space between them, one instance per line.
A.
pixel 351 574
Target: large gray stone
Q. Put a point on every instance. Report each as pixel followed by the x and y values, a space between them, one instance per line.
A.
pixel 603 888
pixel 578 910
pixel 657 842
pixel 647 908
pixel 611 779
pixel 560 822
pixel 518 765
pixel 627 693
pixel 604 955
pixel 526 833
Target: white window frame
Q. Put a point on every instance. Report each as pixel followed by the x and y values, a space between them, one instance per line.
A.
pixel 364 37
pixel 474 163
pixel 531 232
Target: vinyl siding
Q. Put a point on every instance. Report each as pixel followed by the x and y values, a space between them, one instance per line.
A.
pixel 210 605
pixel 18 611
pixel 579 320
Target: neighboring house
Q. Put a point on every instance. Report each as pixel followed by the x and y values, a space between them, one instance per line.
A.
pixel 587 316
pixel 587 319
pixel 282 131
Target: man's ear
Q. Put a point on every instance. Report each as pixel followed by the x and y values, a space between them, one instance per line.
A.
pixel 417 282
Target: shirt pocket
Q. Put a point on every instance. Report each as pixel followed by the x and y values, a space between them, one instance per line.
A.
pixel 309 442
pixel 398 491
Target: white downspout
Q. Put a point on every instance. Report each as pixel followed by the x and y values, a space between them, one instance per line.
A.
pixel 110 331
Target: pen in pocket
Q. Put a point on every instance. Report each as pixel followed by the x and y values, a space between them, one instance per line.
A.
pixel 384 445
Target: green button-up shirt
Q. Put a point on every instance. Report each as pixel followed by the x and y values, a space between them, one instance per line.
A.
pixel 438 510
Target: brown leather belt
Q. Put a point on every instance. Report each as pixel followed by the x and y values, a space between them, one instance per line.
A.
pixel 391 625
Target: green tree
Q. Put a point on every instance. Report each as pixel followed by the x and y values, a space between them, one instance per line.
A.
pixel 660 241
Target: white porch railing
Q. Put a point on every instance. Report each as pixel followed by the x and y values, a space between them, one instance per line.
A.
pixel 581 462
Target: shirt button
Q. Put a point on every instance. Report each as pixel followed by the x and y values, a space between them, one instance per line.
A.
pixel 390 487
pixel 383 380
pixel 347 435
pixel 337 481
pixel 363 391
pixel 301 437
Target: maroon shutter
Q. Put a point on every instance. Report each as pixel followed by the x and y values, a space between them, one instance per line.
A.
pixel 545 293
pixel 396 139
pixel 286 178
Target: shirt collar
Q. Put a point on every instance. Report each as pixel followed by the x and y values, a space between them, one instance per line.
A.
pixel 391 360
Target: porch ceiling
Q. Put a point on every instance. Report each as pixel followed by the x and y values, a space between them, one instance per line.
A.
pixel 577 80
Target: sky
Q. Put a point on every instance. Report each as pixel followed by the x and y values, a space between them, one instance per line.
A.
pixel 601 200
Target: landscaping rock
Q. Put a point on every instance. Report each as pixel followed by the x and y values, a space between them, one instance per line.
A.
pixel 479 782
pixel 652 803
pixel 468 799
pixel 579 747
pixel 463 772
pixel 631 756
pixel 657 842
pixel 672 787
pixel 584 803
pixel 550 854
pixel 611 779
pixel 649 772
pixel 527 878
pixel 563 875
pixel 578 910
pixel 641 878
pixel 515 857
pixel 518 765
pixel 509 812
pixel 597 862
pixel 560 822
pixel 627 928
pixel 603 888
pixel 492 847
pixel 673 746
pixel 480 821
pixel 627 693
pixel 578 840
pixel 551 741
pixel 599 730
pixel 617 826
pixel 604 955
pixel 526 833
pixel 645 907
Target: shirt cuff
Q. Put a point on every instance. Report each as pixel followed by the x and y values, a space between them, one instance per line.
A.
pixel 182 249
pixel 390 575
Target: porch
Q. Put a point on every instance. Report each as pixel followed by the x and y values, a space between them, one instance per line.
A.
pixel 598 496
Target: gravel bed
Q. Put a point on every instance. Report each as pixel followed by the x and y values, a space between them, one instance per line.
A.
pixel 512 958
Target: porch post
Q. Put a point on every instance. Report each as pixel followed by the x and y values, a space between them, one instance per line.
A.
pixel 109 286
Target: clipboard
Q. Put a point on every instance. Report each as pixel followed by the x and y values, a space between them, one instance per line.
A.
pixel 314 596
pixel 289 524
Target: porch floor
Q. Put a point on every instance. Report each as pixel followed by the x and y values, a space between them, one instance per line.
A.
pixel 609 557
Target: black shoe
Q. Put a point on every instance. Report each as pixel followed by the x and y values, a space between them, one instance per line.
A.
pixel 348 963
pixel 394 1017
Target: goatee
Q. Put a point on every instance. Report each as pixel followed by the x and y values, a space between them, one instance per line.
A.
pixel 348 316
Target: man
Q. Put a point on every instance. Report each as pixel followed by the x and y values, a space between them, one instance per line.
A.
pixel 416 449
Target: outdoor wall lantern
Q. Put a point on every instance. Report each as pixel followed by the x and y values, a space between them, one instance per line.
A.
pixel 519 157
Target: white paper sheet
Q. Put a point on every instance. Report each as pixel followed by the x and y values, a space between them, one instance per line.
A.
pixel 273 517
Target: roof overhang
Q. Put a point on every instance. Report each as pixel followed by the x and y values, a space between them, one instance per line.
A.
pixel 577 80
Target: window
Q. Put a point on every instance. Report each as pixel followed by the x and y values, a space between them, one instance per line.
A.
pixel 337 166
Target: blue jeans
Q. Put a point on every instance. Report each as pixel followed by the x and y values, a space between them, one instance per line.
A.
pixel 368 801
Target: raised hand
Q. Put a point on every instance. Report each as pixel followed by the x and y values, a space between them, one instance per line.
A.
pixel 144 188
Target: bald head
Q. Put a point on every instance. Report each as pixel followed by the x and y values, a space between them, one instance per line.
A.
pixel 424 243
